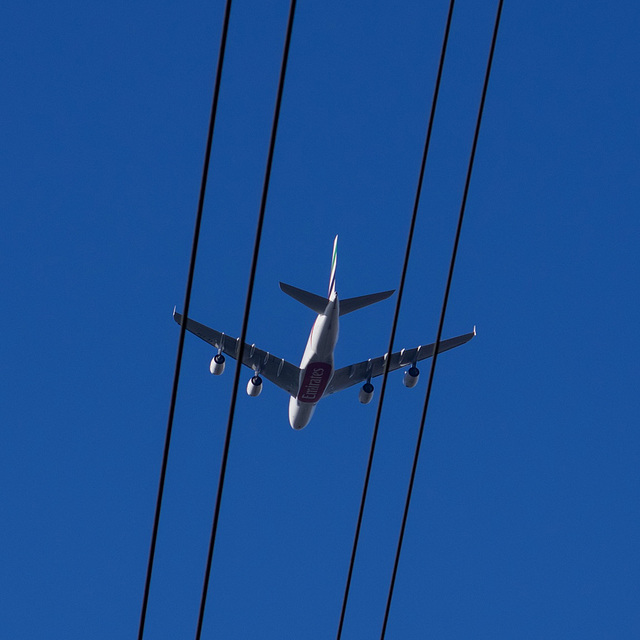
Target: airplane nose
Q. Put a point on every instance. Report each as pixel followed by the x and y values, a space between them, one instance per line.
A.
pixel 298 421
pixel 299 415
pixel 296 424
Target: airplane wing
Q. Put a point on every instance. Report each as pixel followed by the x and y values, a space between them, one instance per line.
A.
pixel 355 373
pixel 277 370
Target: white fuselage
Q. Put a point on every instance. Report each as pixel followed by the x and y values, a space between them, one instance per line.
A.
pixel 316 368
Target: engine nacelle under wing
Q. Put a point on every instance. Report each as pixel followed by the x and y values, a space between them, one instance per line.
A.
pixel 411 377
pixel 217 364
pixel 366 393
pixel 254 386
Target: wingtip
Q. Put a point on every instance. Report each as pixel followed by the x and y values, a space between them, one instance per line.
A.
pixel 387 294
pixel 474 331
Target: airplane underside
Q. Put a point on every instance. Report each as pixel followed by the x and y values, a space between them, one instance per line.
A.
pixel 316 376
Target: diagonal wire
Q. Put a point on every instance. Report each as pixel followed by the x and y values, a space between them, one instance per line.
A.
pixel 187 300
pixel 442 315
pixel 397 312
pixel 245 320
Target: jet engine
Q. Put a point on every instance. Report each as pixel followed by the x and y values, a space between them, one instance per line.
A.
pixel 254 386
pixel 411 377
pixel 366 393
pixel 217 364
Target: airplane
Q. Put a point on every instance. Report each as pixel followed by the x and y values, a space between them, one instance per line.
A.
pixel 316 377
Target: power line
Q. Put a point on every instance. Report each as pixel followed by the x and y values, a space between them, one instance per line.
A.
pixel 442 315
pixel 187 300
pixel 245 320
pixel 396 313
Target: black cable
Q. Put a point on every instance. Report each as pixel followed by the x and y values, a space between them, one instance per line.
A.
pixel 396 313
pixel 442 315
pixel 245 320
pixel 187 300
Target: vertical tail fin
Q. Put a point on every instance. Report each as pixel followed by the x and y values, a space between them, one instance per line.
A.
pixel 334 264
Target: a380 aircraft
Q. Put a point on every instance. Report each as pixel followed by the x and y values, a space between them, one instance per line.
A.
pixel 316 376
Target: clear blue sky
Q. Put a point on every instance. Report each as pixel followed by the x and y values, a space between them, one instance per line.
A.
pixel 525 520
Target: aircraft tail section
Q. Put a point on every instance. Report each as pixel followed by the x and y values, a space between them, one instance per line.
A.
pixel 319 304
pixel 311 300
pixel 334 264
pixel 353 304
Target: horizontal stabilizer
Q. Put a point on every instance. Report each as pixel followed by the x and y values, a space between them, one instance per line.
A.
pixel 319 304
pixel 353 304
pixel 311 300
